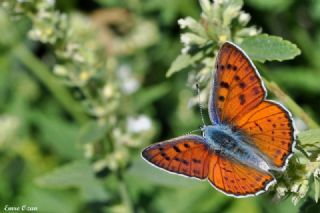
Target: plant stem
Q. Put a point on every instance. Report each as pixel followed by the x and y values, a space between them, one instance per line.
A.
pixel 290 103
pixel 124 193
pixel 41 71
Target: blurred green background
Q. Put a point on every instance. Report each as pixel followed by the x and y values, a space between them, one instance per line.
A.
pixel 76 113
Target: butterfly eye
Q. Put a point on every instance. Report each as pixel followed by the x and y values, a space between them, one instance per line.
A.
pixel 207 132
pixel 204 132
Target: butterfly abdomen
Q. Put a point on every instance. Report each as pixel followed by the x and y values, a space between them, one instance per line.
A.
pixel 227 143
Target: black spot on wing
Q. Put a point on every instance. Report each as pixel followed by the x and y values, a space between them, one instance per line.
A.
pixel 242 99
pixel 176 149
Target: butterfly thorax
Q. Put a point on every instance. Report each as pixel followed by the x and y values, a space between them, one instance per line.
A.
pixel 222 140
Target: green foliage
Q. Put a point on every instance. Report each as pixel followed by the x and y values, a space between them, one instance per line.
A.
pixel 79 175
pixel 311 136
pixel 183 61
pixel 301 78
pixel 84 87
pixel 269 48
pixel 271 5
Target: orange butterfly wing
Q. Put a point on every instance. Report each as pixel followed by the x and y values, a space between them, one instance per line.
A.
pixel 186 155
pixel 270 129
pixel 238 99
pixel 237 179
pixel 237 86
pixel 190 156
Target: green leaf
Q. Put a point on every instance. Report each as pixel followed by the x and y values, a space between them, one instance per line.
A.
pixel 68 176
pixel 92 131
pixel 146 96
pixel 269 48
pixel 57 134
pixel 311 136
pixel 180 63
pixel 49 200
pixel 183 61
pixel 78 174
pixel 270 5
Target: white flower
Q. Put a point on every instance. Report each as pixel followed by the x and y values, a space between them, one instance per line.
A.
pixel 88 150
pixel 185 39
pixel 139 124
pixel 183 22
pixel 129 84
pixel 300 189
pixel 185 50
pixel 295 187
pixel 281 190
pixel 206 5
pixel 51 2
pixel 59 70
pixel 244 18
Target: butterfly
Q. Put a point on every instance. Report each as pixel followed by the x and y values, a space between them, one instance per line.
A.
pixel 249 138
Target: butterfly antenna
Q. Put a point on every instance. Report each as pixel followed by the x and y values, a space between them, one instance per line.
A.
pixel 196 130
pixel 200 105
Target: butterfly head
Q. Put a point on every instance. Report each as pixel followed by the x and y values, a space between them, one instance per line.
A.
pixel 207 131
pixel 211 131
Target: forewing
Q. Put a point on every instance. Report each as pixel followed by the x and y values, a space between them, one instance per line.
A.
pixel 186 155
pixel 237 86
